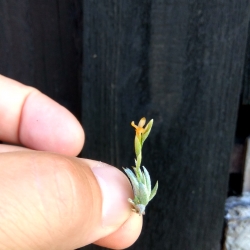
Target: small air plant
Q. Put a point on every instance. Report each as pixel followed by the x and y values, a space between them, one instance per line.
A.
pixel 140 180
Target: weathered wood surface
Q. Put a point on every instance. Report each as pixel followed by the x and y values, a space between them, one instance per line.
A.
pixel 246 75
pixel 178 63
pixel 40 45
pixel 181 64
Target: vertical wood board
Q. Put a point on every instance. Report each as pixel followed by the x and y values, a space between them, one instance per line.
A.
pixel 194 56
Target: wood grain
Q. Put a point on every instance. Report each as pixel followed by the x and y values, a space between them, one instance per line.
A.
pixel 246 74
pixel 180 63
pixel 40 45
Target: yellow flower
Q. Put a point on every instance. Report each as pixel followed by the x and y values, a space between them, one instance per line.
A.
pixel 139 129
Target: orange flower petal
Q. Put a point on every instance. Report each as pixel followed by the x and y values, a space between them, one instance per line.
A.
pixel 133 125
pixel 142 122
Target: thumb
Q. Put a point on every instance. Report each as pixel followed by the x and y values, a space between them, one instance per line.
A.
pixel 50 201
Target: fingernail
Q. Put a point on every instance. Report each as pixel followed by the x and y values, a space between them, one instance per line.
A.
pixel 116 190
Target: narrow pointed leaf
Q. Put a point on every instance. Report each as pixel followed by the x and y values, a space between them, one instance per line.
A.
pixel 133 180
pixel 148 129
pixel 148 180
pixel 144 195
pixel 143 180
pixel 140 177
pixel 153 192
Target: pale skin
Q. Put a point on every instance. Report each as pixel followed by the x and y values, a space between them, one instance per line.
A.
pixel 49 198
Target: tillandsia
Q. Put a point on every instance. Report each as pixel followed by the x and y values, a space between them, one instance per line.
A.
pixel 140 179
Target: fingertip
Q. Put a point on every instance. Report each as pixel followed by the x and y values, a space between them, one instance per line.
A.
pixel 33 119
pixel 116 190
pixel 112 223
pixel 122 226
pixel 47 126
pixel 66 203
pixel 125 236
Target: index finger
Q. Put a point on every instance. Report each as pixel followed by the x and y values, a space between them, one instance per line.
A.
pixel 32 119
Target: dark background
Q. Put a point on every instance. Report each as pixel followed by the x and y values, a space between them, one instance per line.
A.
pixel 186 64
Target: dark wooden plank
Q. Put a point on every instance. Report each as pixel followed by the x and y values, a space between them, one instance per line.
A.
pixel 246 74
pixel 40 45
pixel 180 63
pixel 116 37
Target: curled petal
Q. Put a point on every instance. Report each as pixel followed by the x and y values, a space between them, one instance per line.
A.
pixel 142 122
pixel 139 129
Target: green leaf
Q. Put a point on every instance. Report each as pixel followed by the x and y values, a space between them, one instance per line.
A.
pixel 147 131
pixel 148 180
pixel 138 146
pixel 138 174
pixel 144 195
pixel 136 200
pixel 143 180
pixel 134 181
pixel 154 191
pixel 138 161
pixel 140 208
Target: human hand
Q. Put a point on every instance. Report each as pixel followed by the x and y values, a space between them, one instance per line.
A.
pixel 50 199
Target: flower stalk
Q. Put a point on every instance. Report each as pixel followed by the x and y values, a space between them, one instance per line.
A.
pixel 140 179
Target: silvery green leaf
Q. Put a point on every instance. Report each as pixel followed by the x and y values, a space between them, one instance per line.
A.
pixel 144 195
pixel 130 174
pixel 153 192
pixel 147 176
pixel 143 180
pixel 136 200
pixel 147 131
pixel 133 180
pixel 140 208
pixel 139 172
pixel 147 190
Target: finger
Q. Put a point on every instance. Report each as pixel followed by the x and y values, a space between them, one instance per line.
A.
pixel 129 230
pixel 11 148
pixel 32 119
pixel 49 201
